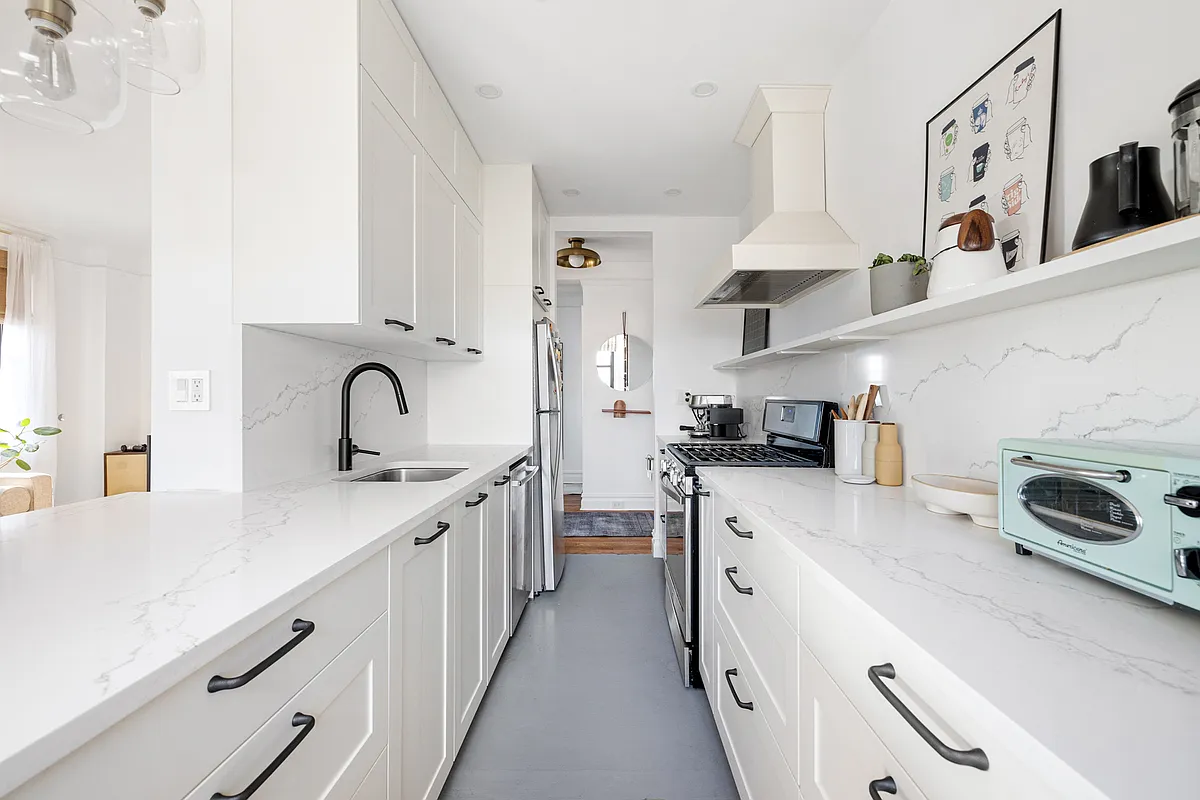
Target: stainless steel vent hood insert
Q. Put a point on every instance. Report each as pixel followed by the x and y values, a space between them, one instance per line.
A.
pixel 795 246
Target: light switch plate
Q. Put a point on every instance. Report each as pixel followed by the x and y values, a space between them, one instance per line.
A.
pixel 189 390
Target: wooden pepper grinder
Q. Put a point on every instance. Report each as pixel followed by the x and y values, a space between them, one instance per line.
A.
pixel 889 458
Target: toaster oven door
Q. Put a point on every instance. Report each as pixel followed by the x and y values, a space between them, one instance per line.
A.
pixel 1101 515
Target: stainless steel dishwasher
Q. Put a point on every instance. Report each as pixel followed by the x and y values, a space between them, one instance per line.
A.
pixel 521 535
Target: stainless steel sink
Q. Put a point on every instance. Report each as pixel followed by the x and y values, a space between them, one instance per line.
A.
pixel 410 475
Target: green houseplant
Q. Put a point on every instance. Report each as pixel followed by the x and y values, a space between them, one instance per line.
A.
pixel 19 443
pixel 897 283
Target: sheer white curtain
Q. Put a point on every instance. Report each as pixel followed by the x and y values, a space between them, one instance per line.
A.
pixel 28 376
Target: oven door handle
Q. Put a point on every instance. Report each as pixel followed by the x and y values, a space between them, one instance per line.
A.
pixel 1120 475
pixel 671 491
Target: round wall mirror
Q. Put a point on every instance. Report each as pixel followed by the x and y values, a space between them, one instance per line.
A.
pixel 624 362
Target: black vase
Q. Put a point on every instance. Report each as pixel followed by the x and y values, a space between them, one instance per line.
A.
pixel 1126 195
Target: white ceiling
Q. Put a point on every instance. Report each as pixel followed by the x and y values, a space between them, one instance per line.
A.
pixel 597 93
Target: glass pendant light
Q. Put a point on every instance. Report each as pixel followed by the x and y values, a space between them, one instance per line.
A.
pixel 61 66
pixel 165 43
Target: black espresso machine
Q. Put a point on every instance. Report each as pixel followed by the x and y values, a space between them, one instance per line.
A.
pixel 716 418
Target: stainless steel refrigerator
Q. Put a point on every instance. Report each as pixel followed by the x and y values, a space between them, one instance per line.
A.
pixel 548 454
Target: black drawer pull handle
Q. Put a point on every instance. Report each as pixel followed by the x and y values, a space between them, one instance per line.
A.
pixel 731 523
pixel 301 627
pixel 662 518
pixel 548 303
pixel 445 341
pixel 472 503
pixel 729 674
pixel 968 758
pixel 442 528
pixel 475 350
pixel 404 325
pixel 503 480
pixel 729 573
pixel 886 785
pixel 298 720
pixel 539 290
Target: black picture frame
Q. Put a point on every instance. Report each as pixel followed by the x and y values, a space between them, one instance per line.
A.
pixel 756 325
pixel 1055 19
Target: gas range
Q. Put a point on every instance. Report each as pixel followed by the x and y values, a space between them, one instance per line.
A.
pixel 740 454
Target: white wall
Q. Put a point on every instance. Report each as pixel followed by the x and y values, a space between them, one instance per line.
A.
pixel 570 328
pixel 192 263
pixel 1095 365
pixel 291 414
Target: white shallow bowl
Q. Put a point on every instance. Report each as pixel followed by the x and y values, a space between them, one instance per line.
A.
pixel 948 494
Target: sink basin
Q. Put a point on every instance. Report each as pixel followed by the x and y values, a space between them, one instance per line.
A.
pixel 410 475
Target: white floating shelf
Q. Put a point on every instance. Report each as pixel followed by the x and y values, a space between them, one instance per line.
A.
pixel 1162 250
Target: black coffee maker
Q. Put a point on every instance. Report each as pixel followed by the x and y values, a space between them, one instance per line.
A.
pixel 1126 195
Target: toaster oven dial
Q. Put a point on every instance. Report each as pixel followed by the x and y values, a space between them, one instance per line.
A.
pixel 1186 499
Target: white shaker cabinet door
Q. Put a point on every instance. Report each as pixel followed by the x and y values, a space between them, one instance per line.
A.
pixel 471 614
pixel 391 56
pixel 391 197
pixel 422 726
pixel 469 277
pixel 439 217
pixel 374 786
pixel 324 741
pixel 840 756
pixel 499 571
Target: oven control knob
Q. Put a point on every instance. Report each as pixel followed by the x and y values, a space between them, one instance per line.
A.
pixel 1186 499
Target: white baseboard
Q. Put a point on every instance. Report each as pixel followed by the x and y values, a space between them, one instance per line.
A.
pixel 573 476
pixel 617 502
pixel 572 488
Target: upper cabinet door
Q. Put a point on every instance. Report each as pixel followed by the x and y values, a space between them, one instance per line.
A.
pixel 469 266
pixel 468 172
pixel 439 218
pixel 391 185
pixel 389 53
pixel 439 126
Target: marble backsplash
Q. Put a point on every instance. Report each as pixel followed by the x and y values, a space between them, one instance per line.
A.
pixel 291 405
pixel 1107 365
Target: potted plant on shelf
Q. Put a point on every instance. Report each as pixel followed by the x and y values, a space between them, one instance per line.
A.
pixel 895 284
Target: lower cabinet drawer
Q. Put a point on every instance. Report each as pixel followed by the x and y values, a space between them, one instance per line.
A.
pixel 324 742
pixel 767 647
pixel 759 768
pixel 764 553
pixel 880 670
pixel 842 759
pixel 189 729
pixel 374 786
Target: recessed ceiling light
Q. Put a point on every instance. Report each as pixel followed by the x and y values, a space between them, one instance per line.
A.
pixel 571 192
pixel 489 91
pixel 704 89
pixel 673 192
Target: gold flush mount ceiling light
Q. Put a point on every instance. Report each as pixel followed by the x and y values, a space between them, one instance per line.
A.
pixel 577 256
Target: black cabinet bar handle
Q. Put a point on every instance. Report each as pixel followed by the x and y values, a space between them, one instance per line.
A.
pixel 729 674
pixel 503 480
pixel 475 350
pixel 539 290
pixel 731 523
pixel 548 303
pixel 662 518
pixel 404 325
pixel 729 573
pixel 301 627
pixel 445 341
pixel 968 758
pixel 298 721
pixel 472 503
pixel 886 785
pixel 442 528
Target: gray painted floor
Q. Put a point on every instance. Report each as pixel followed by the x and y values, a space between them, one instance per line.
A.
pixel 588 704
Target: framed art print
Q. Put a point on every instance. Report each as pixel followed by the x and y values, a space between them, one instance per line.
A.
pixel 992 148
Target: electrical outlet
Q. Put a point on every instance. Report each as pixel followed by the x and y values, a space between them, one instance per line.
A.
pixel 189 390
pixel 618 504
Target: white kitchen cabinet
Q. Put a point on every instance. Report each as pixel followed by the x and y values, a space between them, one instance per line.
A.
pixel 337 237
pixel 329 735
pixel 468 262
pixel 470 599
pixel 439 218
pixel 841 756
pixel 708 609
pixel 499 571
pixel 391 196
pixel 544 254
pixel 421 719
pixel 374 786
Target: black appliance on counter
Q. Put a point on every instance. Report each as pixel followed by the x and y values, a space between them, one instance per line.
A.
pixel 1126 194
pixel 799 434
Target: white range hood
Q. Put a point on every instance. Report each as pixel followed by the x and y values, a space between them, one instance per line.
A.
pixel 795 246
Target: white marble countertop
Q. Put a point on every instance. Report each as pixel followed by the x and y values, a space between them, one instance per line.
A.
pixel 106 604
pixel 1105 678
